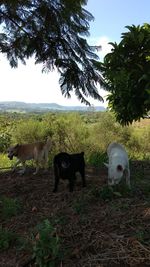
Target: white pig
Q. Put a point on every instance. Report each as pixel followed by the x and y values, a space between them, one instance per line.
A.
pixel 118 165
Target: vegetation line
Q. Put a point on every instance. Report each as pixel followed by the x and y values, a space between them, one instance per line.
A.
pixel 5 168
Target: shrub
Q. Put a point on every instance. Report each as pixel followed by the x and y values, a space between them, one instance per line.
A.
pixel 31 131
pixel 4 141
pixel 74 132
pixel 46 245
pixel 70 133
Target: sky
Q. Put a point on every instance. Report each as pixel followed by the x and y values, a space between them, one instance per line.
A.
pixel 27 83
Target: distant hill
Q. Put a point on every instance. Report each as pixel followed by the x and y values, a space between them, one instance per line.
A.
pixel 14 106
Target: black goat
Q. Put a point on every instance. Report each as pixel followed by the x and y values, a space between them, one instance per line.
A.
pixel 65 167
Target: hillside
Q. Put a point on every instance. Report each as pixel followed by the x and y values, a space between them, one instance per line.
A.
pixel 15 106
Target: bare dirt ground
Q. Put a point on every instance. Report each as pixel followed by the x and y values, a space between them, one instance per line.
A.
pixel 95 232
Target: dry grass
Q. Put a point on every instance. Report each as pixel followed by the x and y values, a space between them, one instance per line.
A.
pixel 142 123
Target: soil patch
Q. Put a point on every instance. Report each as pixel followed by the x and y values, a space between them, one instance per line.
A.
pixel 94 231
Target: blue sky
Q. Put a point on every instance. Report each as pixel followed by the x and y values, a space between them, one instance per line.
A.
pixel 111 16
pixel 28 84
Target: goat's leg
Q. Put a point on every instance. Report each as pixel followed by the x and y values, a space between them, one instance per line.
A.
pixel 37 169
pixel 45 162
pixel 37 164
pixel 71 183
pixel 16 164
pixel 82 172
pixel 127 175
pixel 24 168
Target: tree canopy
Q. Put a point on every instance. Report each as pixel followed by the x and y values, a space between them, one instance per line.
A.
pixel 127 74
pixel 54 33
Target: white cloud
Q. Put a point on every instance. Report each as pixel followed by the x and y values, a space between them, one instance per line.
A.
pixel 102 41
pixel 106 47
pixel 27 83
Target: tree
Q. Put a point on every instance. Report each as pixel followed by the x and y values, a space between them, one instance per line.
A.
pixel 52 32
pixel 126 71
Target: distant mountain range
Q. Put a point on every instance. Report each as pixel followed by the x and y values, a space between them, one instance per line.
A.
pixel 14 106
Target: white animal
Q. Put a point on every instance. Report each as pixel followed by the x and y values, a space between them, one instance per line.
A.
pixel 118 165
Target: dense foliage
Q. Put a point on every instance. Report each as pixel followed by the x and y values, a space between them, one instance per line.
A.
pixel 127 73
pixel 73 132
pixel 52 32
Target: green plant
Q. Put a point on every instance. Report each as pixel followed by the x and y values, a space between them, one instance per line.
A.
pixel 80 205
pixel 9 207
pixel 46 245
pixel 97 158
pixel 6 238
pixel 106 193
pixel 92 138
pixel 129 87
pixel 5 162
pixel 123 190
pixel 109 193
pixel 30 131
pixel 59 219
pixel 4 141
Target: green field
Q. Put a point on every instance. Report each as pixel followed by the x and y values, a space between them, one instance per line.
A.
pixel 90 132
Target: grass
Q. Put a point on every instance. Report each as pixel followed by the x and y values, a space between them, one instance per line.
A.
pixel 80 205
pixel 5 162
pixel 97 159
pixel 9 207
pixel 108 193
pixel 6 238
pixel 80 223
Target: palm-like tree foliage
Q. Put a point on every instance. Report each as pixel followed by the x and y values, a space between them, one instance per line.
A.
pixel 53 32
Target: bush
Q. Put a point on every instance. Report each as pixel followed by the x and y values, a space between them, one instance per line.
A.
pixel 31 131
pixel 46 245
pixel 4 141
pixel 73 132
pixel 70 133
